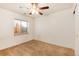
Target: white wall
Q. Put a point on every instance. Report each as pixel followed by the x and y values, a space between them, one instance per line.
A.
pixel 57 28
pixel 77 30
pixel 7 38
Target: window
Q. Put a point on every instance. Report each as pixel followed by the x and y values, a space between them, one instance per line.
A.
pixel 20 27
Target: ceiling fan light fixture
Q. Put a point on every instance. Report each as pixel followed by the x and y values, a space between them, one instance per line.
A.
pixel 34 8
pixel 34 11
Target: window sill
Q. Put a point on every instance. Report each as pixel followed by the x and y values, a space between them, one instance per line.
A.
pixel 17 34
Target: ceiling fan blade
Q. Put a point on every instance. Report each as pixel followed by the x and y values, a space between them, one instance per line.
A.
pixel 40 13
pixel 30 13
pixel 74 9
pixel 46 7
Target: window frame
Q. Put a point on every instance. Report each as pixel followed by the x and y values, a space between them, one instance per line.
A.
pixel 22 33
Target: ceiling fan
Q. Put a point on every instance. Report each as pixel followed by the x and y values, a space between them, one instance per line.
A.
pixel 75 8
pixel 36 9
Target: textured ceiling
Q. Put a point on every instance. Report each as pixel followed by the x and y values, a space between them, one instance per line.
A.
pixel 24 8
